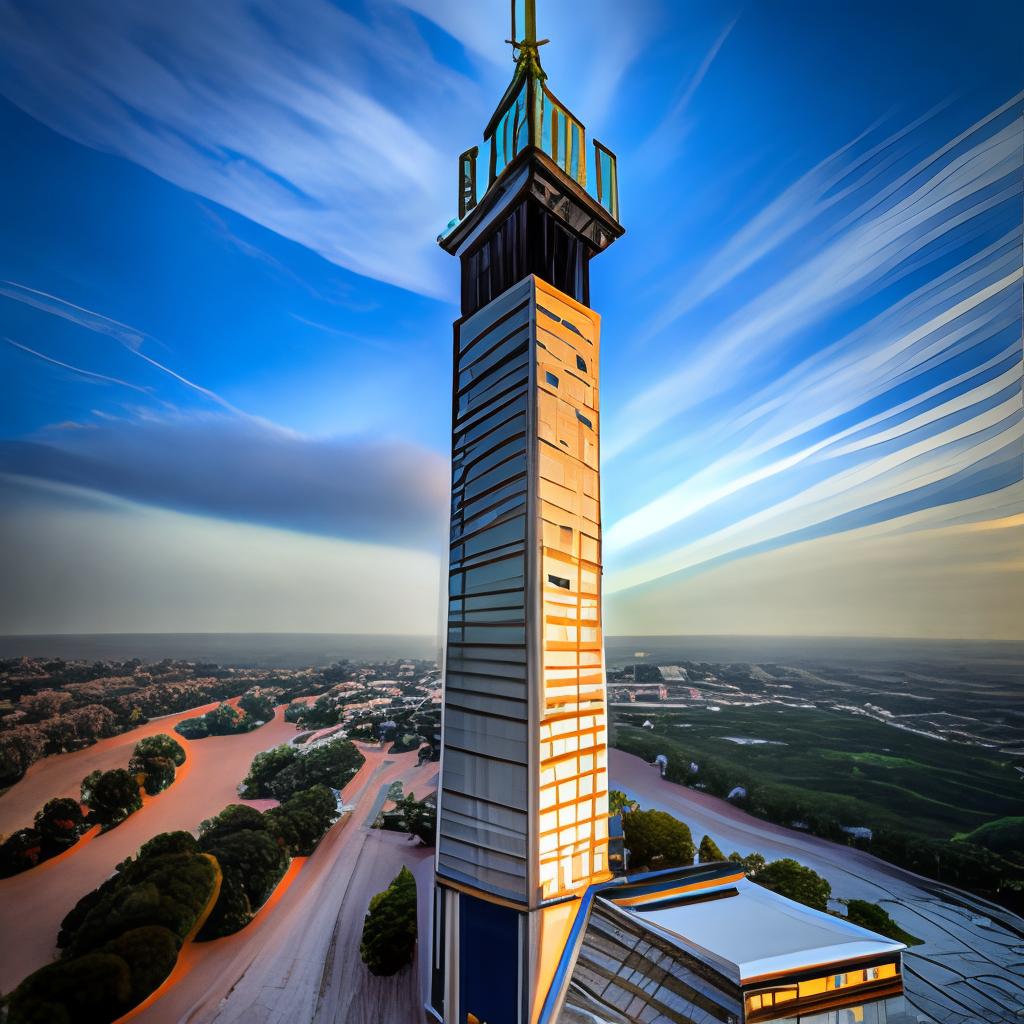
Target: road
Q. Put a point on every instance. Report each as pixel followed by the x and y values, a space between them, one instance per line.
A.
pixel 33 904
pixel 970 968
pixel 299 963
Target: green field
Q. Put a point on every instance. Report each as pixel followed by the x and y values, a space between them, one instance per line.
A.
pixel 847 767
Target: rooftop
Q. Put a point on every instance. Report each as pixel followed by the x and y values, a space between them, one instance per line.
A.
pixel 746 931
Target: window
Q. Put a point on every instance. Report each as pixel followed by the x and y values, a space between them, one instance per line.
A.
pixel 558 581
pixel 581 364
pixel 583 419
pixel 871 974
pixel 551 378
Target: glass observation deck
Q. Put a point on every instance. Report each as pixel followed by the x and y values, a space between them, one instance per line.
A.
pixel 530 115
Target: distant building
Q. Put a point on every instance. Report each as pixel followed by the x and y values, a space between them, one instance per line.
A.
pixel 673 674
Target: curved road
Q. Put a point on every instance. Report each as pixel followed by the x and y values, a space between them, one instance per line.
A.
pixel 300 962
pixel 33 904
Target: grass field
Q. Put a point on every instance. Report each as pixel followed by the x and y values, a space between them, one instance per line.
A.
pixel 851 767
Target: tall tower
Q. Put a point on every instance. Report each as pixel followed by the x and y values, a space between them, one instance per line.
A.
pixel 523 795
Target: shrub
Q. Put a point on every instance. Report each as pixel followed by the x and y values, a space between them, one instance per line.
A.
pixel 169 842
pixel 709 851
pixel 59 824
pixel 389 931
pixel 301 822
pixel 418 817
pixel 221 721
pixel 656 840
pixel 170 890
pixel 793 880
pixel 256 706
pixel 252 856
pixel 22 850
pixel 94 989
pixel 161 745
pixel 333 764
pixel 265 766
pixel 113 796
pixel 150 953
pixel 252 862
pixel 155 774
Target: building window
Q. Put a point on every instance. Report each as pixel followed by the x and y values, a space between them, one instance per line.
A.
pixel 581 364
pixel 583 419
pixel 558 581
pixel 551 378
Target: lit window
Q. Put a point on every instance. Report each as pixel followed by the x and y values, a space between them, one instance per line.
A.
pixel 581 364
pixel 551 378
pixel 558 581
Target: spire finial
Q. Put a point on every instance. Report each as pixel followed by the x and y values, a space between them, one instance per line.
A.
pixel 524 20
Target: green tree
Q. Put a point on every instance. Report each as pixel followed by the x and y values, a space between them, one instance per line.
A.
pixel 301 822
pixel 417 817
pixel 709 851
pixel 656 840
pixel 21 850
pixel 264 768
pixel 169 842
pixel 113 797
pixel 59 824
pixel 793 880
pixel 170 891
pixel 258 707
pixel 252 858
pixel 752 863
pixel 333 764
pixel 150 953
pixel 618 803
pixel 154 774
pixel 389 931
pixel 94 989
pixel 161 745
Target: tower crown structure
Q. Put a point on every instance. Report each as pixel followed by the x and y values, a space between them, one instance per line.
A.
pixel 532 183
pixel 523 791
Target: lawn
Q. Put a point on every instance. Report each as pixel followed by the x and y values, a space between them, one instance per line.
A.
pixel 851 767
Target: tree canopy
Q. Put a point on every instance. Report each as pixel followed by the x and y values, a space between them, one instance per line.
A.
pixel 389 931
pixel 656 840
pixel 793 880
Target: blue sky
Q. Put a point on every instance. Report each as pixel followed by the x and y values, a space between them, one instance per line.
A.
pixel 226 321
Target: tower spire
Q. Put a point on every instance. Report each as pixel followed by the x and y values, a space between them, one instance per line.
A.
pixel 524 19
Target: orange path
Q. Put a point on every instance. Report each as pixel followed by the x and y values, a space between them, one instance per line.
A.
pixel 33 903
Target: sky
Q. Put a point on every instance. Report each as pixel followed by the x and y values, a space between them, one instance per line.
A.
pixel 225 323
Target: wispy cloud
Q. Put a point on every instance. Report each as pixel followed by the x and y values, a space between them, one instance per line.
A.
pixel 332 132
pixel 918 405
pixel 131 338
pixel 77 369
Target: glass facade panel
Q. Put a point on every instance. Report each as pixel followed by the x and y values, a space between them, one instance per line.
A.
pixel 525 591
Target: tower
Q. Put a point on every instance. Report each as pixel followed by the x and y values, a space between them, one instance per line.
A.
pixel 522 815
